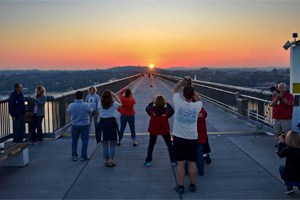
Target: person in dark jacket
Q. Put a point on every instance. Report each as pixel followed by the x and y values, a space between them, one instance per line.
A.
pixel 289 148
pixel 16 106
pixel 159 111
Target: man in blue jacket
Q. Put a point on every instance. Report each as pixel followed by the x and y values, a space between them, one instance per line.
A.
pixel 16 106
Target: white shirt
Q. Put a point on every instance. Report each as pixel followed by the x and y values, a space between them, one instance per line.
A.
pixel 185 118
pixel 107 113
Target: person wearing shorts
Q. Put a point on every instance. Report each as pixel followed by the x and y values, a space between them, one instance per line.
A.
pixel 282 104
pixel 185 132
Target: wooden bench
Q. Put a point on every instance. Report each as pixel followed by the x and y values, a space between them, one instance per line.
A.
pixel 14 154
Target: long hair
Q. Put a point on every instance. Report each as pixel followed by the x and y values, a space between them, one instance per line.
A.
pixel 40 91
pixel 106 99
pixel 292 139
pixel 128 93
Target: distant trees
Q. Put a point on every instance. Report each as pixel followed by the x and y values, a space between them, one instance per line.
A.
pixel 62 81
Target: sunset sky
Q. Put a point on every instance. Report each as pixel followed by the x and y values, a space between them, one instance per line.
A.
pixel 107 33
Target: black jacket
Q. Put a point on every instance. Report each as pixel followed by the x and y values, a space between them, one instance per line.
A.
pixel 292 162
pixel 16 104
pixel 160 111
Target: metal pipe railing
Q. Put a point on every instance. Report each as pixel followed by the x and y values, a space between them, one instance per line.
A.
pixel 249 102
pixel 56 116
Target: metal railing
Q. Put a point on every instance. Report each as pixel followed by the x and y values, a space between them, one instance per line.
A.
pixel 252 103
pixel 56 116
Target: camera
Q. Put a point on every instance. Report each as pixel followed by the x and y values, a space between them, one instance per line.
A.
pixel 189 82
pixel 274 89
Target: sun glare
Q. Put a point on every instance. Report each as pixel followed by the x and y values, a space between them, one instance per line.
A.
pixel 151 66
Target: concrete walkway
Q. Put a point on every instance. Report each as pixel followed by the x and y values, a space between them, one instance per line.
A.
pixel 244 165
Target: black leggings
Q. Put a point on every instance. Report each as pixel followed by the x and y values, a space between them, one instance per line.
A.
pixel 152 142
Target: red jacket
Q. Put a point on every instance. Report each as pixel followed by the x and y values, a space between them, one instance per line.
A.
pixel 159 124
pixel 281 111
pixel 127 104
pixel 201 126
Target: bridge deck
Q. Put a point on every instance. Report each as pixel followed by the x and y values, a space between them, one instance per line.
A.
pixel 244 164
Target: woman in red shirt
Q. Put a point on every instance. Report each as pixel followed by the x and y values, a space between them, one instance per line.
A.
pixel 127 114
pixel 160 111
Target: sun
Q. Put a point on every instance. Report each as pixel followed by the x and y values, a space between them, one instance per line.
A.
pixel 151 66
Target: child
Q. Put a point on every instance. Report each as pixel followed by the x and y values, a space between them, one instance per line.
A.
pixel 109 126
pixel 93 100
pixel 159 111
pixel 203 145
pixel 290 172
pixel 202 139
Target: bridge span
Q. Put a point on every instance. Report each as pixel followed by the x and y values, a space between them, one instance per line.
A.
pixel 244 163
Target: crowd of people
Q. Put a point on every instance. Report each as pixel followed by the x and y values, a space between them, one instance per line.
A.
pixel 187 146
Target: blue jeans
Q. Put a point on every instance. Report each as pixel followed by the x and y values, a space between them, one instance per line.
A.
pixel 94 116
pixel 109 149
pixel 200 161
pixel 18 128
pixel 82 131
pixel 130 119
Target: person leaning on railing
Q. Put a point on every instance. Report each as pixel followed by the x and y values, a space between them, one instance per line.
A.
pixel 282 104
pixel 38 115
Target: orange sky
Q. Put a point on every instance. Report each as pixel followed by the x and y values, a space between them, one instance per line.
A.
pixel 102 34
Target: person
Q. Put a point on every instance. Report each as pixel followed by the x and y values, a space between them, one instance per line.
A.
pixel 185 132
pixel 289 148
pixel 38 114
pixel 159 111
pixel 93 100
pixel 80 119
pixel 109 126
pixel 282 104
pixel 202 139
pixel 16 107
pixel 127 115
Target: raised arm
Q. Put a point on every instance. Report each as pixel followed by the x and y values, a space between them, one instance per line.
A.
pixel 117 99
pixel 178 86
pixel 122 93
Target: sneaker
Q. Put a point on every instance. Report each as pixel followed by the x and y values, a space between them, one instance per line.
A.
pixel 289 190
pixel 208 159
pixel 75 158
pixel 179 189
pixel 174 164
pixel 135 144
pixel 119 143
pixel 85 158
pixel 193 188
pixel 147 164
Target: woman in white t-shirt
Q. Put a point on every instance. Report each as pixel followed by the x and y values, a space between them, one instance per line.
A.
pixel 108 126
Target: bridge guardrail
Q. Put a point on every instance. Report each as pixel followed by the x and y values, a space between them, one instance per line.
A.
pixel 249 102
pixel 56 116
